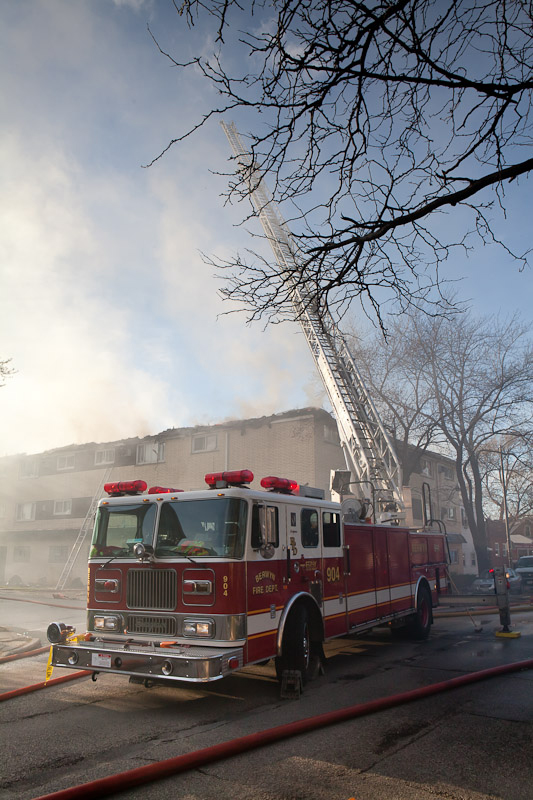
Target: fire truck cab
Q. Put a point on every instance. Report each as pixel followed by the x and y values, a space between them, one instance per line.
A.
pixel 190 586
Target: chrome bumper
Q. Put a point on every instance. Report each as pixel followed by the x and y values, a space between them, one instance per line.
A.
pixel 178 663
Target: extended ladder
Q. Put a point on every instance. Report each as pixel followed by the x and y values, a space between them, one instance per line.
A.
pixel 369 453
pixel 86 527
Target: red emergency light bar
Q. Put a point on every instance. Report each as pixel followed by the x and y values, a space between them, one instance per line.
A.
pixel 237 477
pixel 279 484
pixel 162 490
pixel 119 488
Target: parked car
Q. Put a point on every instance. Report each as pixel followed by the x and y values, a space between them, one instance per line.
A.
pixel 524 568
pixel 485 583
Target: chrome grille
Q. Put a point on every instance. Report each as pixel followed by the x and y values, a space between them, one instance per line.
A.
pixel 158 626
pixel 152 588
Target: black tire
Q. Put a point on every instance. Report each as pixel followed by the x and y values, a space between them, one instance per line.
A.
pixel 419 625
pixel 296 648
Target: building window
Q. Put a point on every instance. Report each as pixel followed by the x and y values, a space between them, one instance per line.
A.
pixel 29 468
pixel 62 507
pixel 25 512
pixel 150 453
pixel 447 472
pixel 21 553
pixel 448 513
pixel 472 559
pixel 527 530
pixel 504 549
pixel 497 549
pixel 66 461
pixel 104 457
pixel 58 554
pixel 426 467
pixel 205 443
pixel 416 505
pixel 454 557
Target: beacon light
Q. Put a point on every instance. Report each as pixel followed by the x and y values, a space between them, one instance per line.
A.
pixel 233 478
pixel 279 484
pixel 162 490
pixel 119 488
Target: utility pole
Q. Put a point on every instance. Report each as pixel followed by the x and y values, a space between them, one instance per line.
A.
pixel 505 508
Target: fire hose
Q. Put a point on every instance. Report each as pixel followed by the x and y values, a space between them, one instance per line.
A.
pixel 43 684
pixel 122 781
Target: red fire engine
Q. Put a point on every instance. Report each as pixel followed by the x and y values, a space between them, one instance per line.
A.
pixel 190 586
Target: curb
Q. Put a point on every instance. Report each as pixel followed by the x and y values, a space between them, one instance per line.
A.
pixel 477 610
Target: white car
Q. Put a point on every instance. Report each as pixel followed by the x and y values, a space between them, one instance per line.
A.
pixel 524 568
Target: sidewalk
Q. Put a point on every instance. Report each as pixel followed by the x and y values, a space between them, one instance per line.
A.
pixel 15 641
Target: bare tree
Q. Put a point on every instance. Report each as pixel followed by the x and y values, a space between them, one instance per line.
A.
pixel 391 370
pixel 509 479
pixel 480 373
pixel 374 118
pixel 459 384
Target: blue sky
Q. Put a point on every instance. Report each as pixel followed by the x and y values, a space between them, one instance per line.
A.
pixel 109 314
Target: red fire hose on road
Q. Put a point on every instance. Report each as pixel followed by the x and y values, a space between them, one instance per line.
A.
pixel 44 684
pixel 161 769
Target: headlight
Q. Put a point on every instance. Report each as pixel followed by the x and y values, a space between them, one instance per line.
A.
pixel 198 627
pixel 106 623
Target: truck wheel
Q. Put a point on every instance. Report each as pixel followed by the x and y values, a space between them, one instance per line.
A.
pixel 420 624
pixel 296 654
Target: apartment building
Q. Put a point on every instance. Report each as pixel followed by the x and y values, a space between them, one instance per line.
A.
pixel 46 498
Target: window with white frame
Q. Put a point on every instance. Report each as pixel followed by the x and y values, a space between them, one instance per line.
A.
pixel 62 507
pixel 25 512
pixel 150 453
pixel 104 456
pixel 57 554
pixel 454 556
pixel 21 553
pixel 204 443
pixel 29 468
pixel 504 549
pixel 426 467
pixel 66 461
pixel 416 505
pixel 448 512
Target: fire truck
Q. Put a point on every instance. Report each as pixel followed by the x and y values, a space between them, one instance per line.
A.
pixel 193 585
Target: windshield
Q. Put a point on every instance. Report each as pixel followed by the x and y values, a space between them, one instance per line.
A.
pixel 118 528
pixel 525 561
pixel 211 527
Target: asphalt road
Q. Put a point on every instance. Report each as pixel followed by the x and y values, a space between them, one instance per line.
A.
pixel 471 743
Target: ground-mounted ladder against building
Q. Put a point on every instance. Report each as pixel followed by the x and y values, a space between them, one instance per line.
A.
pixel 86 528
pixel 369 453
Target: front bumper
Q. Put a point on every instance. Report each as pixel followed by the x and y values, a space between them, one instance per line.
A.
pixel 177 663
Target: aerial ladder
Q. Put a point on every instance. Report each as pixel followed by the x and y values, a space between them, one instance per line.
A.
pixel 375 473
